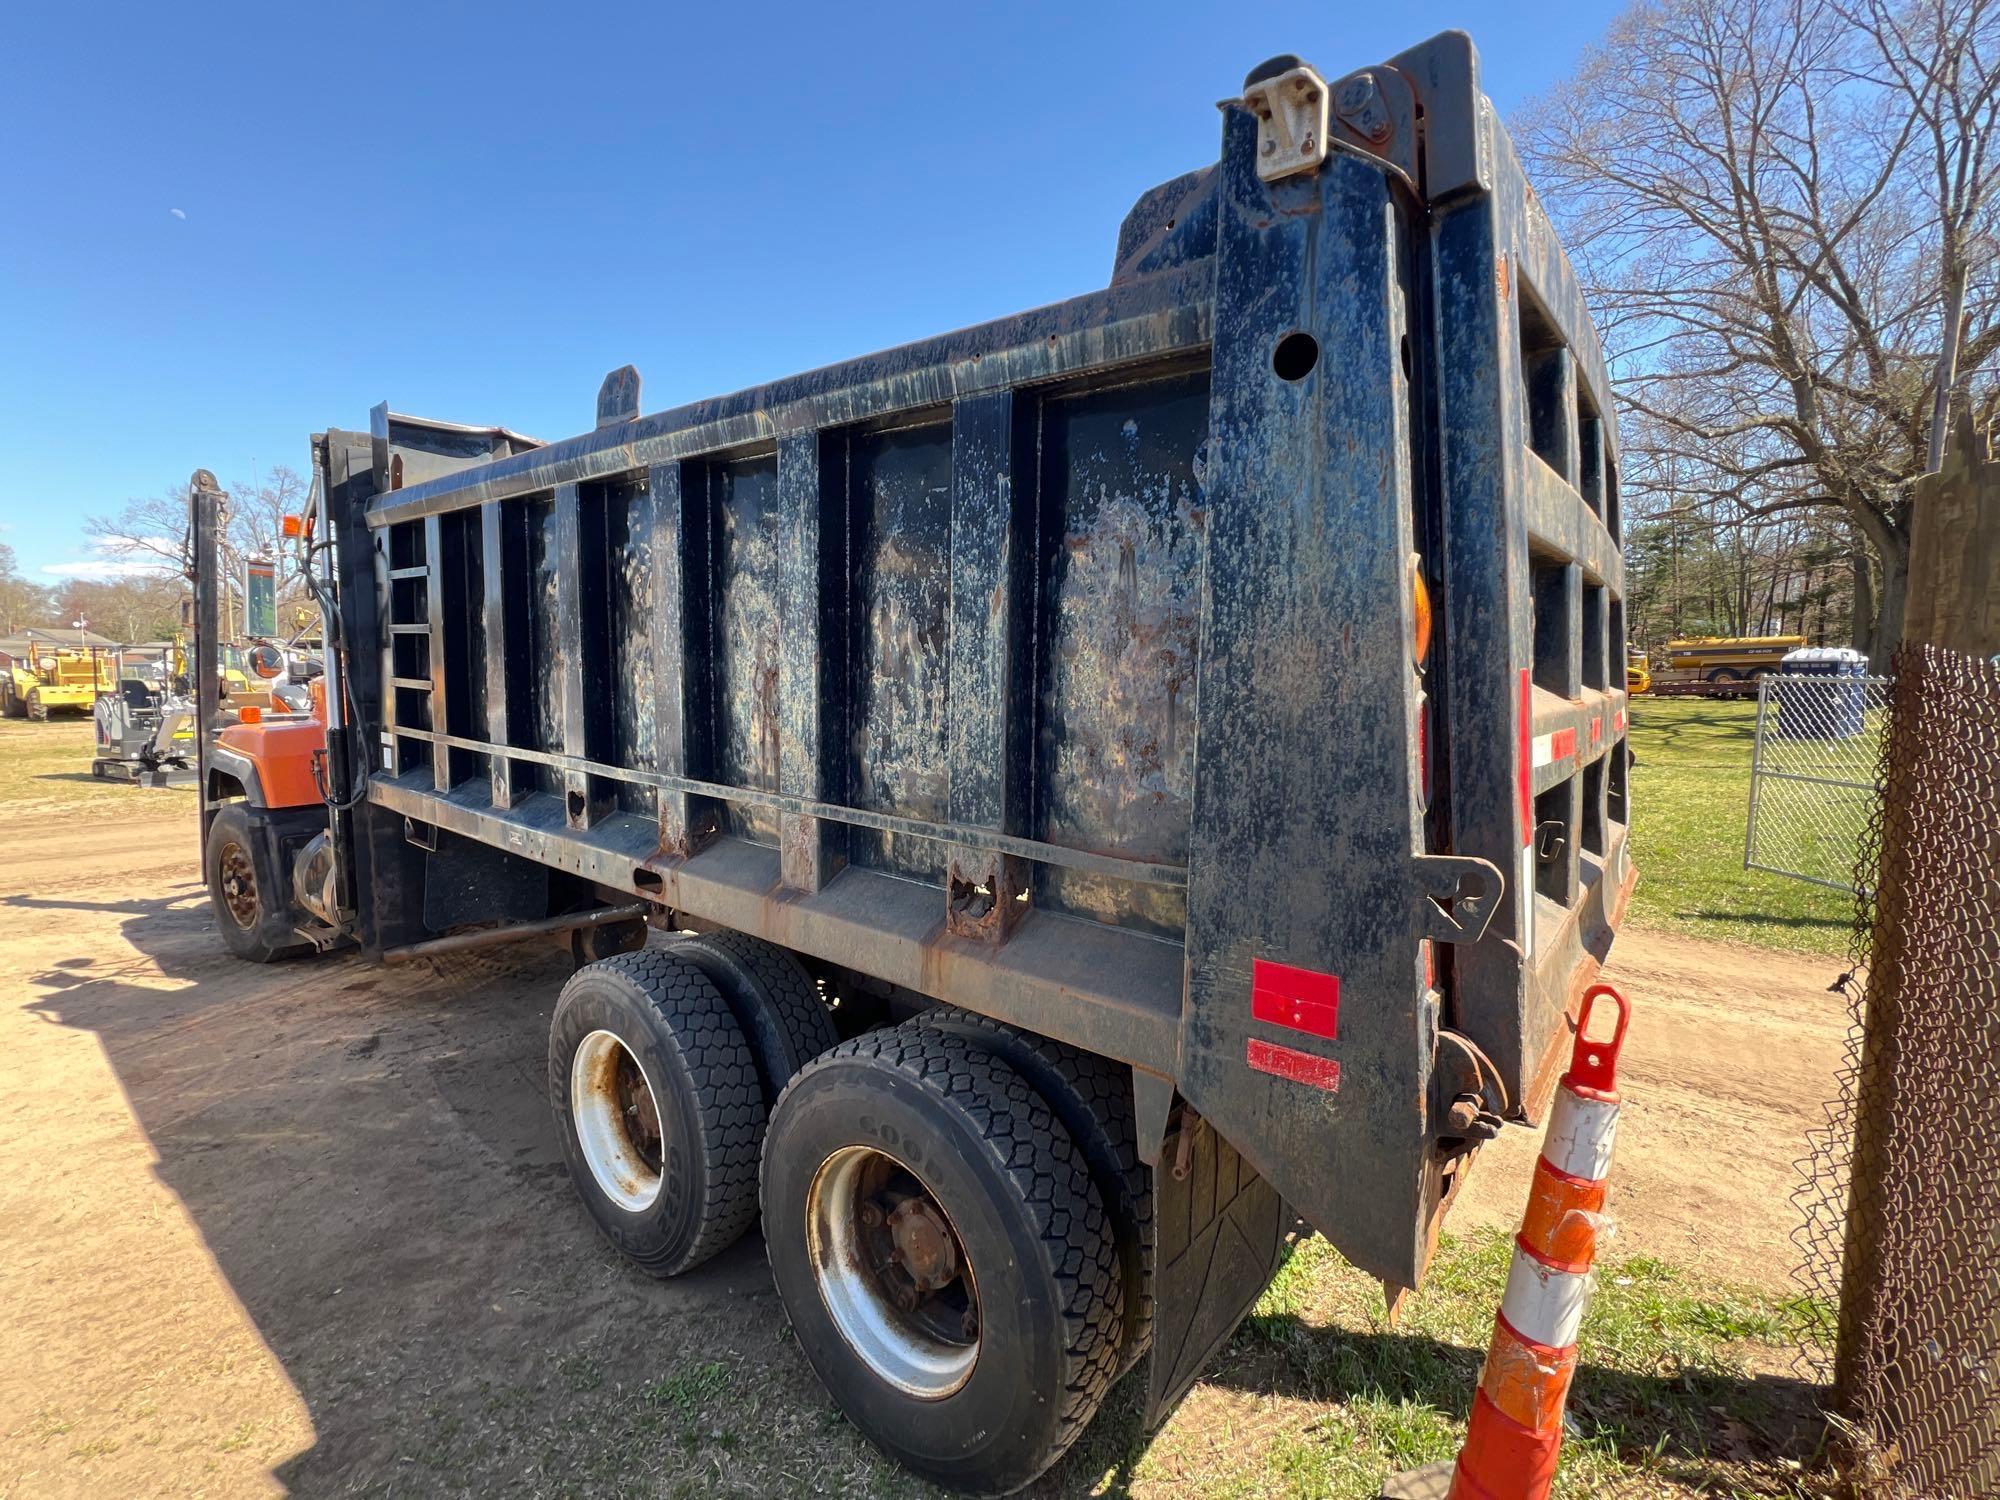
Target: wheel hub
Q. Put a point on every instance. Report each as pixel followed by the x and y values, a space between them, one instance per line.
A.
pixel 893 1273
pixel 924 1248
pixel 239 885
pixel 617 1120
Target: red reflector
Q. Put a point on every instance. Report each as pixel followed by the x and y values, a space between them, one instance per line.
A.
pixel 1597 729
pixel 1424 749
pixel 1562 744
pixel 1299 1067
pixel 1303 999
pixel 1524 764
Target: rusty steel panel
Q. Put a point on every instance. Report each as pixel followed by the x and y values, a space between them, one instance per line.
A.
pixel 1122 518
pixel 899 577
pixel 745 638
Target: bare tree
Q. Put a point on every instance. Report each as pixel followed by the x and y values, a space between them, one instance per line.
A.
pixel 21 602
pixel 1776 206
pixel 156 529
pixel 126 609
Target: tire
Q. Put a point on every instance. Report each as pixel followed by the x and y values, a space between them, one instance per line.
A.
pixel 1092 1096
pixel 10 701
pixel 697 1193
pixel 773 999
pixel 1725 674
pixel 241 878
pixel 606 940
pixel 1008 1191
pixel 37 710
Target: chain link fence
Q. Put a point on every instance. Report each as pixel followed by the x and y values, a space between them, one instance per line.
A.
pixel 1812 775
pixel 1900 1237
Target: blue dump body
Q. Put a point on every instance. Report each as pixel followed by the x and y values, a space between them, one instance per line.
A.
pixel 1066 668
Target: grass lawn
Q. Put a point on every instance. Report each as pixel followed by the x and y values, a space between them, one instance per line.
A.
pixel 1690 808
pixel 45 768
pixel 1685 1388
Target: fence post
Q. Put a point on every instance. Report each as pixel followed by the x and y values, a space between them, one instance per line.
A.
pixel 1918 1331
pixel 1954 589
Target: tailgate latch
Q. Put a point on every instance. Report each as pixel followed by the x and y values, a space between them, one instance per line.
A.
pixel 1457 896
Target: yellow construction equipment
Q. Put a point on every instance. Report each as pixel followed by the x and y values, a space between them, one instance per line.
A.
pixel 55 679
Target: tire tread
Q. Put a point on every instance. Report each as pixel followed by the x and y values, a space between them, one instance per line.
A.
pixel 728 1099
pixel 1049 1177
pixel 1093 1097
pixel 794 1000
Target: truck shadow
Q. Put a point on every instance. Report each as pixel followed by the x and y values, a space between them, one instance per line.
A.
pixel 368 1157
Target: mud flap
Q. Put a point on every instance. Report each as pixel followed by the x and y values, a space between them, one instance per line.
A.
pixel 1220 1229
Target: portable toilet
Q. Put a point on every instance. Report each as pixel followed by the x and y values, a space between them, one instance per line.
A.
pixel 1835 710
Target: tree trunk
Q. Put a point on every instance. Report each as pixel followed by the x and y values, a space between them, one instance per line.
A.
pixel 1889 617
pixel 1864 599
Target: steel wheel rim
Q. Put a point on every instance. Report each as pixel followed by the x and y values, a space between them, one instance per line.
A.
pixel 913 1349
pixel 239 885
pixel 616 1113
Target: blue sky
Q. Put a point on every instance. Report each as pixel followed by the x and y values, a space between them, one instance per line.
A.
pixel 475 212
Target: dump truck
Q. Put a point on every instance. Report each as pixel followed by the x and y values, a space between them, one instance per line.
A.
pixel 1040 814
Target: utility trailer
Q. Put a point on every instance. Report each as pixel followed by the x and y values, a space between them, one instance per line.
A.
pixel 1060 803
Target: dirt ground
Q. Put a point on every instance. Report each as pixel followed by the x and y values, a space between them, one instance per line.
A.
pixel 307 1228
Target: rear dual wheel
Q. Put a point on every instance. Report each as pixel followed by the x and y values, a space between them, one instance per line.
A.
pixel 663 1064
pixel 944 1256
pixel 657 1102
pixel 1092 1096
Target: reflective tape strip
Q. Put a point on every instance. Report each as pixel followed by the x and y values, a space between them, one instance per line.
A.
pixel 1560 1225
pixel 1542 1303
pixel 1299 1067
pixel 1558 745
pixel 1581 1134
pixel 1527 1381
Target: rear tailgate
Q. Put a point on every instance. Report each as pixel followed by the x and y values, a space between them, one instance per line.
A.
pixel 1532 692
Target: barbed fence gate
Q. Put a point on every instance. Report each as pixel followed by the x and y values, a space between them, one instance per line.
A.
pixel 1813 775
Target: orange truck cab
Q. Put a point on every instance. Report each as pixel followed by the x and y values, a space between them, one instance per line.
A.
pixel 267 758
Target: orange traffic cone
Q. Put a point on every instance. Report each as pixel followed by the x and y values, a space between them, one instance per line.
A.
pixel 1512 1440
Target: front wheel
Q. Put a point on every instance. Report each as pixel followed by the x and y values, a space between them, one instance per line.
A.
pixel 944 1257
pixel 245 890
pixel 37 710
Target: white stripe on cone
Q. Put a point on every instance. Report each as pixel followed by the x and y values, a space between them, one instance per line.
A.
pixel 1581 1134
pixel 1544 1304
